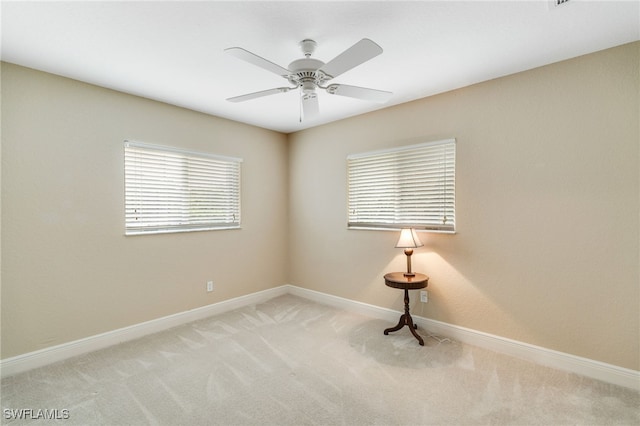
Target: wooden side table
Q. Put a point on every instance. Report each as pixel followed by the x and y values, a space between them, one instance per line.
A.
pixel 398 280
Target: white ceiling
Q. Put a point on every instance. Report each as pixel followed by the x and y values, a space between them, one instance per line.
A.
pixel 173 51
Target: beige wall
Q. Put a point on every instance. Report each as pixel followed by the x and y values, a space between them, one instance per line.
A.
pixel 68 270
pixel 547 249
pixel 548 210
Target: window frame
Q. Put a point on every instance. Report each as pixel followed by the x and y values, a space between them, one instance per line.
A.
pixel 189 180
pixel 397 166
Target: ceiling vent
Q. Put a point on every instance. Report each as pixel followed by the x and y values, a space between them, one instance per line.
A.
pixel 557 3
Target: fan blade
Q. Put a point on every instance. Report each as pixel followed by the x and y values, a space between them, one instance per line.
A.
pixel 310 106
pixel 359 92
pixel 357 54
pixel 260 94
pixel 254 59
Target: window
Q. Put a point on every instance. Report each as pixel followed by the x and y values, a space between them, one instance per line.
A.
pixel 171 190
pixel 410 186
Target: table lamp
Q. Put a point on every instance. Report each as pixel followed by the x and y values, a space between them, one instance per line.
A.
pixel 408 241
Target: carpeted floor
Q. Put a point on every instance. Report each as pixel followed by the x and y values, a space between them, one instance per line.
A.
pixel 290 361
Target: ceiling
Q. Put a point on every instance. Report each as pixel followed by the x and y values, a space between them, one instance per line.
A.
pixel 174 51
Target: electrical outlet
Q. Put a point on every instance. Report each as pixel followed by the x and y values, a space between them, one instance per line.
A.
pixel 209 286
pixel 424 296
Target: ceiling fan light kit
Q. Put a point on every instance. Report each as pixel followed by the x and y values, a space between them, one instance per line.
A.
pixel 309 74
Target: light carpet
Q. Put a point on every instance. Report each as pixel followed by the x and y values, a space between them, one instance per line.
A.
pixel 290 361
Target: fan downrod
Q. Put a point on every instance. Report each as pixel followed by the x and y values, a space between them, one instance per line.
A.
pixel 308 46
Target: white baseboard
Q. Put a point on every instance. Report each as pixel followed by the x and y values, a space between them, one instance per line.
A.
pixel 31 360
pixel 539 355
pixel 559 360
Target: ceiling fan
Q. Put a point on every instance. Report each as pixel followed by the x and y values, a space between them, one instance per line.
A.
pixel 309 74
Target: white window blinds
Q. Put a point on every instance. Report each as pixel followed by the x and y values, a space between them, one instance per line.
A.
pixel 171 190
pixel 411 186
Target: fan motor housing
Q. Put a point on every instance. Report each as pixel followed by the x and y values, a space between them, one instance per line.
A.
pixel 303 73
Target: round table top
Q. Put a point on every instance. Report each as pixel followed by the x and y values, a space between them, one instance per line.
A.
pixel 398 280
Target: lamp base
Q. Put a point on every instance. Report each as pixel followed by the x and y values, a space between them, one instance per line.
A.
pixel 409 252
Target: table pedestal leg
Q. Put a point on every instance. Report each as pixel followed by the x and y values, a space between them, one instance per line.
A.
pixel 405 319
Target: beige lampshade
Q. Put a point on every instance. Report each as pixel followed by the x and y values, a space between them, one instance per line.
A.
pixel 408 239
